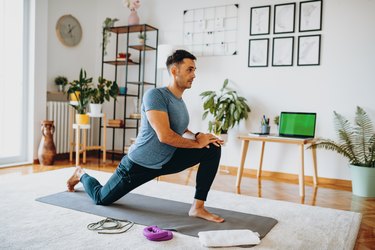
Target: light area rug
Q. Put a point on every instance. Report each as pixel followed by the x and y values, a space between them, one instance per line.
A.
pixel 28 224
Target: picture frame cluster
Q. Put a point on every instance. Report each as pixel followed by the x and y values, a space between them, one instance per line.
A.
pixel 284 34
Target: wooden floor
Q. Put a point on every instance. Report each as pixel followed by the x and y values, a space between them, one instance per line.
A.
pixel 270 188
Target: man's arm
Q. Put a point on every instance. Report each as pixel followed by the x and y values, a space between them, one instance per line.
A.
pixel 159 121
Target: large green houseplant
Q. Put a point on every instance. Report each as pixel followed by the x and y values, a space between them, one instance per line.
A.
pixel 226 107
pixel 81 90
pixel 357 144
pixel 104 91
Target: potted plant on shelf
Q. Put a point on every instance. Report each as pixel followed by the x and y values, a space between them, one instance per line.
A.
pixel 357 144
pixel 81 89
pixel 226 107
pixel 61 81
pixel 142 37
pixel 101 93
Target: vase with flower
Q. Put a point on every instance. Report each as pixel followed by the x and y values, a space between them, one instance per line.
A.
pixel 133 5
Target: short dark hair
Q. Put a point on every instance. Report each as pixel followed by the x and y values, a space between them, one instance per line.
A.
pixel 178 56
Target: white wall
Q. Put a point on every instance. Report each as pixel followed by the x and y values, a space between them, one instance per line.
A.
pixel 342 81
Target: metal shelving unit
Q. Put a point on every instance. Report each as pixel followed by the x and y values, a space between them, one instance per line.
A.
pixel 123 36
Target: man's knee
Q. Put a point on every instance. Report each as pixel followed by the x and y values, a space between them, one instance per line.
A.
pixel 214 150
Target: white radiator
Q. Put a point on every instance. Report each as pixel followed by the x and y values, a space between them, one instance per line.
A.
pixel 59 113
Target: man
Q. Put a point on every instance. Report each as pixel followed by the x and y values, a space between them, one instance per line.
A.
pixel 160 147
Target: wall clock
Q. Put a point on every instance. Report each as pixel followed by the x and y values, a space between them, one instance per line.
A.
pixel 68 30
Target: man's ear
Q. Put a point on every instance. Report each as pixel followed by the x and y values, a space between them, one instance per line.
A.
pixel 173 69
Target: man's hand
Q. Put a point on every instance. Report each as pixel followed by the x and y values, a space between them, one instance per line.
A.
pixel 205 139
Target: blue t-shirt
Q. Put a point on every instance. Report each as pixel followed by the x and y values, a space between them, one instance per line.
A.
pixel 147 150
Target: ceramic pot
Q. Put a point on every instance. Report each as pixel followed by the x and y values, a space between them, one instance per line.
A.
pixel 47 149
pixel 96 109
pixel 82 119
pixel 363 181
pixel 133 18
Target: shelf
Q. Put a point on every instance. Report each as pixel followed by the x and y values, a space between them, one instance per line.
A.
pixel 123 127
pixel 140 83
pixel 123 74
pixel 116 151
pixel 121 63
pixel 132 29
pixel 141 47
pixel 130 95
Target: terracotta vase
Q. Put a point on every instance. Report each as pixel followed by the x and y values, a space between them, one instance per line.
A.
pixel 47 149
pixel 133 18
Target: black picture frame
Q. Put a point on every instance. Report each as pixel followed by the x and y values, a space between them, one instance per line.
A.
pixel 258 52
pixel 284 18
pixel 282 51
pixel 308 53
pixel 310 15
pixel 260 20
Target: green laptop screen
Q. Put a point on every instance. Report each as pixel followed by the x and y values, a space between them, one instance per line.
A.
pixel 297 124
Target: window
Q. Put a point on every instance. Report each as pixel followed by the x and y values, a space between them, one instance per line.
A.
pixel 13 85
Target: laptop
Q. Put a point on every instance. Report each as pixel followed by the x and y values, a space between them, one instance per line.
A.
pixel 297 125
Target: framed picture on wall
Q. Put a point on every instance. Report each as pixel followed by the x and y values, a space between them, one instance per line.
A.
pixel 310 16
pixel 282 51
pixel 308 50
pixel 260 20
pixel 258 52
pixel 284 18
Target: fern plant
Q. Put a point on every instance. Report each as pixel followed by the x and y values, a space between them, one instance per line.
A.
pixel 356 143
pixel 226 107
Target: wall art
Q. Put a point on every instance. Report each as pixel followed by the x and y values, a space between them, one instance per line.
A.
pixel 284 18
pixel 258 52
pixel 308 50
pixel 260 18
pixel 310 16
pixel 282 51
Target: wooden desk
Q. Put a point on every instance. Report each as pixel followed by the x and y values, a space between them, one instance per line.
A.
pixel 263 139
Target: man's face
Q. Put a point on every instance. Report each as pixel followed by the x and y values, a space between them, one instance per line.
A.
pixel 185 73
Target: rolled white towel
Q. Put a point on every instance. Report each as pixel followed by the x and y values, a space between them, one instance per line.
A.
pixel 227 238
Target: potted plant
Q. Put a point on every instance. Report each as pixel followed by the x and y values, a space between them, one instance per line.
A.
pixel 108 23
pixel 357 144
pixel 226 108
pixel 61 81
pixel 101 93
pixel 81 89
pixel 142 37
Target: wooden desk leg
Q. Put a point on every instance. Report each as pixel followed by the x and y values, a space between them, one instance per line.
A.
pixel 315 170
pixel 77 145
pixel 245 146
pixel 302 173
pixel 84 145
pixel 104 138
pixel 259 172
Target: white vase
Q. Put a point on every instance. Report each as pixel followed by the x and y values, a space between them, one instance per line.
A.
pixel 95 109
pixel 133 18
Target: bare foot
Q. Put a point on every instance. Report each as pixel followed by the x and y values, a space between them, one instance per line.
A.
pixel 74 179
pixel 204 214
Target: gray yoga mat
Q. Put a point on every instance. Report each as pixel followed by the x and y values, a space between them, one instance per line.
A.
pixel 166 214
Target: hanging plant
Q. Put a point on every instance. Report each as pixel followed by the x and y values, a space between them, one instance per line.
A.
pixel 108 23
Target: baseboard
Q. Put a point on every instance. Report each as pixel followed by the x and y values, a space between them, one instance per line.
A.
pixel 291 178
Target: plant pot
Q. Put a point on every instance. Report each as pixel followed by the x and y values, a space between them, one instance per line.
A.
pixel 60 88
pixel 141 41
pixel 74 96
pixel 82 119
pixel 96 109
pixel 363 181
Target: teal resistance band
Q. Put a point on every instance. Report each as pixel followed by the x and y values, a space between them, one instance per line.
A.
pixel 109 225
